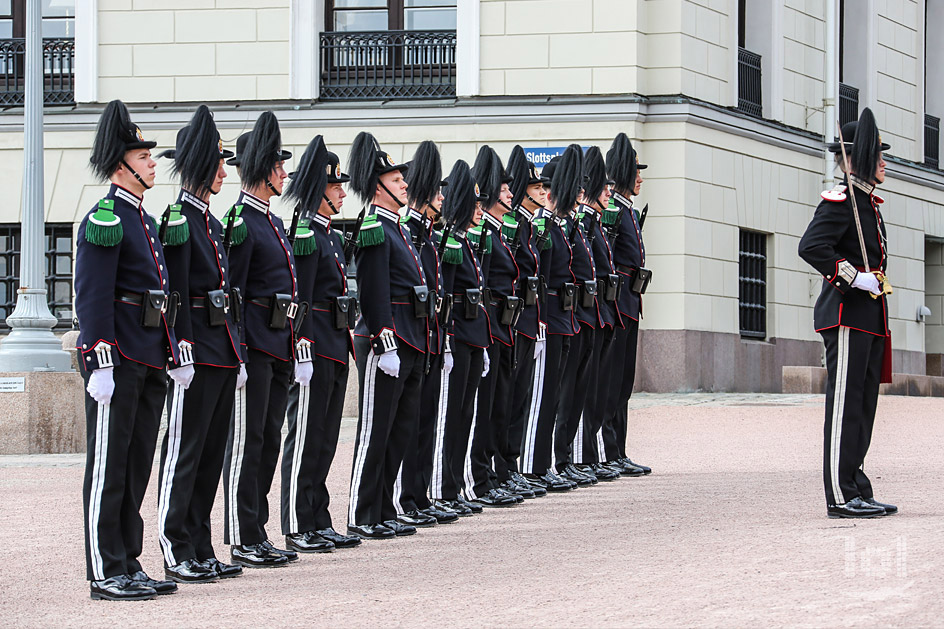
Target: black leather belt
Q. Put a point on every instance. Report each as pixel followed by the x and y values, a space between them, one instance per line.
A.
pixel 265 302
pixel 627 270
pixel 553 293
pixel 405 298
pixel 321 305
pixel 135 299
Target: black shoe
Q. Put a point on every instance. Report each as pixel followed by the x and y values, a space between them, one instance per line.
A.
pixel 399 528
pixel 256 556
pixel 520 490
pixel 339 541
pixel 557 483
pixel 507 492
pixel 579 476
pixel 223 570
pixel 449 505
pixel 494 498
pixel 855 508
pixel 190 571
pixel 416 518
pixel 120 588
pixel 371 531
pixel 889 509
pixel 308 542
pixel 538 488
pixel 161 587
pixel 288 554
pixel 442 516
pixel 475 508
pixel 625 468
pixel 604 473
pixel 645 470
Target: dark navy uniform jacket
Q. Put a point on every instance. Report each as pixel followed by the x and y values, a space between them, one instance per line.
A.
pixel 603 259
pixel 831 246
pixel 386 275
pixel 196 267
pixel 527 259
pixel 457 278
pixel 263 265
pixel 422 230
pixel 322 276
pixel 555 269
pixel 502 279
pixel 628 251
pixel 584 269
pixel 134 265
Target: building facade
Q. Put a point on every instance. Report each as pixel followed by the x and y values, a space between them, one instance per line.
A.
pixel 726 100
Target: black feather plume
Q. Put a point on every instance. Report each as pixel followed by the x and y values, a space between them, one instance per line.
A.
pixel 518 169
pixel 310 180
pixel 488 173
pixel 865 147
pixel 459 205
pixel 594 171
pixel 568 179
pixel 108 150
pixel 621 163
pixel 197 154
pixel 262 151
pixel 361 166
pixel 424 176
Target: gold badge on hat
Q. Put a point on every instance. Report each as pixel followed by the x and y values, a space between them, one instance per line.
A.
pixel 337 171
pixel 137 132
pixel 477 190
pixel 221 146
pixel 390 160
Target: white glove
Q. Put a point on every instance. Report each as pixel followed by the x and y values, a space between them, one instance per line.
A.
pixel 183 376
pixel 101 385
pixel 867 282
pixel 448 363
pixel 303 373
pixel 390 364
pixel 242 376
pixel 486 364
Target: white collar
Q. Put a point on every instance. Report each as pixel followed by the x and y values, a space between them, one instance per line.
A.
pixel 620 198
pixel 203 206
pixel 254 202
pixel 494 222
pixel 128 197
pixel 322 220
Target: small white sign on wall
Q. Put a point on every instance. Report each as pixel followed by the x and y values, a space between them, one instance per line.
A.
pixel 13 385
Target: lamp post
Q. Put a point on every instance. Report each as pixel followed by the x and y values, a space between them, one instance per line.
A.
pixel 31 344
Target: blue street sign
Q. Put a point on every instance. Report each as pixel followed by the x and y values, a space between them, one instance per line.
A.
pixel 540 156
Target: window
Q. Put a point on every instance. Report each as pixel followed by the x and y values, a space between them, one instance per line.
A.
pixel 58 18
pixel 393 15
pixel 58 271
pixel 58 51
pixel 933 82
pixel 751 46
pixel 752 284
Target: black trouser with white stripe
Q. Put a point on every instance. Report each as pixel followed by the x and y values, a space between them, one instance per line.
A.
pixel 460 410
pixel 490 432
pixel 314 423
pixel 412 485
pixel 854 370
pixel 522 400
pixel 121 439
pixel 621 385
pixel 252 449
pixel 589 445
pixel 191 462
pixel 538 439
pixel 580 373
pixel 389 409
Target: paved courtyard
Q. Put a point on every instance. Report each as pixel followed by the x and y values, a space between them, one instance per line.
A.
pixel 730 530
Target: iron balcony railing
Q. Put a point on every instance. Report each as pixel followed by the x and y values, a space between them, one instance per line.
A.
pixel 388 65
pixel 848 103
pixel 932 140
pixel 58 71
pixel 750 99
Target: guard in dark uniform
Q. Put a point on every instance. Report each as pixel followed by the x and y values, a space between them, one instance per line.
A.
pixel 125 343
pixel 846 242
pixel 469 337
pixel 198 411
pixel 391 339
pixel 502 278
pixel 411 491
pixel 263 269
pixel 324 341
pixel 526 236
pixel 629 255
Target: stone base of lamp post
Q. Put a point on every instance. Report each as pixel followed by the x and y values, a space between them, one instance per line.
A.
pixel 42 412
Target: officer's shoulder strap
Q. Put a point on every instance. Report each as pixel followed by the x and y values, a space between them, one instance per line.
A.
pixel 836 195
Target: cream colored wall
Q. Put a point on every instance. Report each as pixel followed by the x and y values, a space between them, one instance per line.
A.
pixel 897 100
pixel 804 43
pixel 193 50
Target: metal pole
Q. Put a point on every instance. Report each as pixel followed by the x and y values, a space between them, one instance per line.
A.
pixel 31 345
pixel 831 87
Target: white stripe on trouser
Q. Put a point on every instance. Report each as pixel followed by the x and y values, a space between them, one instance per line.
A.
pixel 839 404
pixel 363 441
pixel 577 446
pixel 435 483
pixel 98 486
pixel 537 392
pixel 175 422
pixel 236 463
pixel 601 446
pixel 301 431
pixel 468 479
pixel 398 490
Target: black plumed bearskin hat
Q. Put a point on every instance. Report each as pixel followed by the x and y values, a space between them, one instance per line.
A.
pixel 263 151
pixel 424 178
pixel 568 180
pixel 115 136
pixel 198 152
pixel 309 182
pixel 459 205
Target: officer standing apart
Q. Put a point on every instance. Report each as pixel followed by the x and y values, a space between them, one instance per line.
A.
pixel 263 269
pixel 846 243
pixel 125 342
pixel 201 401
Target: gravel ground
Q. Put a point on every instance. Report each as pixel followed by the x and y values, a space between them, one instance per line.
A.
pixel 730 530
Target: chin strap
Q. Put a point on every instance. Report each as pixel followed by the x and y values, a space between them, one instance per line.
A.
pixel 533 201
pixel 330 204
pixel 136 175
pixel 272 189
pixel 390 194
pixel 502 203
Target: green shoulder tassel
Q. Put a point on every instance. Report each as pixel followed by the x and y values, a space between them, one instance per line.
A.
pixel 475 237
pixel 371 232
pixel 305 243
pixel 453 253
pixel 177 230
pixel 103 227
pixel 609 216
pixel 240 231
pixel 509 226
pixel 541 228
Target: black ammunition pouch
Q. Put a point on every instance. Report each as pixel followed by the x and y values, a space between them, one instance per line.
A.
pixel 530 290
pixel 641 280
pixel 419 297
pixel 609 287
pixel 511 308
pixel 473 301
pixel 567 295
pixel 281 309
pixel 344 311
pixel 217 304
pixel 153 305
pixel 588 294
pixel 445 309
